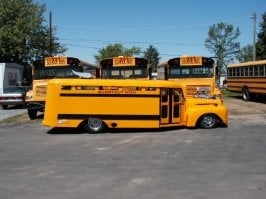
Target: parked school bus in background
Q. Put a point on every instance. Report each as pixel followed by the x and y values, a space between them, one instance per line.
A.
pixel 123 67
pixel 248 78
pixel 53 67
pixel 196 72
pixel 99 104
pixel 120 67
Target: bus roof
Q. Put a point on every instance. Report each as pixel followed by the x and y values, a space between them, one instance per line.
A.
pixel 209 60
pixel 250 63
pixel 41 62
pixel 138 61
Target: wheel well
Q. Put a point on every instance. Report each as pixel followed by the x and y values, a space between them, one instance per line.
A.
pixel 82 123
pixel 85 121
pixel 246 93
pixel 216 116
pixel 244 87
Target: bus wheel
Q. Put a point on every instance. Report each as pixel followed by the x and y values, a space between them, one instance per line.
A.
pixel 32 114
pixel 94 125
pixel 246 94
pixel 208 121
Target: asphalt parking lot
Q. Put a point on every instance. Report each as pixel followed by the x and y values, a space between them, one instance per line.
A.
pixel 39 162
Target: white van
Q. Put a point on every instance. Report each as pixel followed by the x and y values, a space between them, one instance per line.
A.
pixel 11 91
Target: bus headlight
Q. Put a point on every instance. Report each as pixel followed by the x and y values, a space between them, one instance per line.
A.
pixel 217 96
pixel 203 92
pixel 29 95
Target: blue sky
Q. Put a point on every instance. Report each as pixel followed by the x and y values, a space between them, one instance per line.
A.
pixel 174 27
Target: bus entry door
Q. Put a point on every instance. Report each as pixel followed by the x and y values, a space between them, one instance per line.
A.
pixel 170 106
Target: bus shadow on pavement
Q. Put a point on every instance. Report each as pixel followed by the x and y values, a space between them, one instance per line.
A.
pixel 142 130
pixel 80 130
pixel 256 99
pixel 58 131
pixel 62 130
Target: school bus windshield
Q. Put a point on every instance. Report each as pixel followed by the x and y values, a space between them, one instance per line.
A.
pixel 55 72
pixel 191 72
pixel 61 67
pixel 123 67
pixel 125 72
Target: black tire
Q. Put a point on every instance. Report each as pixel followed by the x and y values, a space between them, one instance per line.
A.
pixel 94 125
pixel 32 114
pixel 208 121
pixel 4 107
pixel 246 94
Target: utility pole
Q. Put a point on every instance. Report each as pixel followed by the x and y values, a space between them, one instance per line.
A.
pixel 50 34
pixel 253 16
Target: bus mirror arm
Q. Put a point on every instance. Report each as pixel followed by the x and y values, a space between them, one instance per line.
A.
pixel 82 74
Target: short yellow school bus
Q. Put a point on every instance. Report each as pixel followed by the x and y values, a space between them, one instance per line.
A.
pixel 98 104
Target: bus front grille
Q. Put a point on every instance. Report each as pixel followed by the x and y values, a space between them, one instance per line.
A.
pixel 41 91
pixel 193 89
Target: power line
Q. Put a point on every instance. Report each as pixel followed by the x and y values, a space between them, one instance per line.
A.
pixel 133 42
pixel 83 46
pixel 159 28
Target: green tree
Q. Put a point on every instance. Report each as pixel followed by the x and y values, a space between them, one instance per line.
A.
pixel 23 35
pixel 222 42
pixel 113 50
pixel 152 55
pixel 246 54
pixel 261 43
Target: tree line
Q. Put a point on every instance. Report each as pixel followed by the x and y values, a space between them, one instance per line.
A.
pixel 25 36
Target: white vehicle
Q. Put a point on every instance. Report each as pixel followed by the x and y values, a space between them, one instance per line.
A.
pixel 10 78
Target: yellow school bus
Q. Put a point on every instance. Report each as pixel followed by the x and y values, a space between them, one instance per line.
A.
pixel 196 72
pixel 100 104
pixel 54 67
pixel 123 67
pixel 248 78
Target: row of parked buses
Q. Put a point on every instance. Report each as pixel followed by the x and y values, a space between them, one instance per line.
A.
pixel 120 93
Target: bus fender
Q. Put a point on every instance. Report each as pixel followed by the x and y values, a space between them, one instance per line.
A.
pixel 194 113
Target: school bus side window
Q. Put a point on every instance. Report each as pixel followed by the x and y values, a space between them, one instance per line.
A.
pixel 164 96
pixel 176 96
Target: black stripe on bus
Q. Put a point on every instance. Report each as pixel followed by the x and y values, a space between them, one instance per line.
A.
pixel 108 117
pixel 106 95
